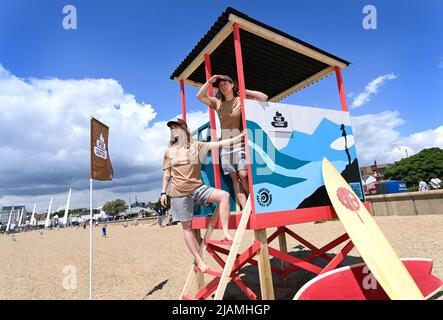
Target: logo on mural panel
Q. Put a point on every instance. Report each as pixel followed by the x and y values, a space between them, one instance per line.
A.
pixel 264 197
pixel 279 121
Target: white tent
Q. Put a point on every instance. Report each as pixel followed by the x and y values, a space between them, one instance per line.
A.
pixel 435 183
pixel 369 180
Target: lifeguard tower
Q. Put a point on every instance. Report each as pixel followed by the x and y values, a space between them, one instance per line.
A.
pixel 284 148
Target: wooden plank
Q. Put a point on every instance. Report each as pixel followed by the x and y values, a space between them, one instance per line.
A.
pixel 264 266
pixel 207 236
pixel 210 47
pixel 190 83
pixel 225 277
pixel 316 77
pixel 338 258
pixel 199 276
pixel 285 42
pixel 283 248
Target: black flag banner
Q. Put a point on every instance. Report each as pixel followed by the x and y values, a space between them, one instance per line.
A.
pixel 101 167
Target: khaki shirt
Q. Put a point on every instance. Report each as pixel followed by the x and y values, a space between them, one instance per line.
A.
pixel 185 166
pixel 230 116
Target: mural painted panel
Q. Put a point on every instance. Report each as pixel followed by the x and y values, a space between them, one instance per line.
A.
pixel 287 144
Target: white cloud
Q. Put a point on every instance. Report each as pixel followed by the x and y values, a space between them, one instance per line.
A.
pixel 44 139
pixel 377 138
pixel 371 89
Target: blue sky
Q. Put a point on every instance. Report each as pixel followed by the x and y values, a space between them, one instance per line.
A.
pixel 124 52
pixel 139 43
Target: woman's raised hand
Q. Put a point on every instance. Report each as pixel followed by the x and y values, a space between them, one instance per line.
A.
pixel 214 78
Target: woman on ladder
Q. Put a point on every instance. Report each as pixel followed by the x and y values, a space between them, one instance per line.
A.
pixel 182 165
pixel 228 106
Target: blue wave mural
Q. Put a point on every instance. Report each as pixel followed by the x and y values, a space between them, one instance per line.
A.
pixel 316 146
pixel 284 179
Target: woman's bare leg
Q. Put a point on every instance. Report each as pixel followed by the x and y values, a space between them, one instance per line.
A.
pixel 191 242
pixel 238 189
pixel 222 197
pixel 243 174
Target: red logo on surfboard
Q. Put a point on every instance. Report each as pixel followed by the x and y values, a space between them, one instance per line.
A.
pixel 347 199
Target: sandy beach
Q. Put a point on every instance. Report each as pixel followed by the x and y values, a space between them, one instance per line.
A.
pixel 149 262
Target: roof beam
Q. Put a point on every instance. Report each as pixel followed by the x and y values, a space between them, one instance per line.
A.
pixel 211 46
pixel 304 83
pixel 283 41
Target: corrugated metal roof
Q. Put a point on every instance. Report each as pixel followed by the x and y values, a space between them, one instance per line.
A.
pixel 268 66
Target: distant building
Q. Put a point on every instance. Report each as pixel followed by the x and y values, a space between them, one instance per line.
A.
pixel 376 170
pixel 136 211
pixel 16 212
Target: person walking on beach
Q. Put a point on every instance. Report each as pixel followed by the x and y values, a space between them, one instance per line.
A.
pixel 423 186
pixel 160 215
pixel 181 167
pixel 104 231
pixel 227 104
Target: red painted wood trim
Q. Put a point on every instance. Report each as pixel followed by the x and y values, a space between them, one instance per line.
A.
pixel 212 123
pixel 242 88
pixel 183 99
pixel 341 89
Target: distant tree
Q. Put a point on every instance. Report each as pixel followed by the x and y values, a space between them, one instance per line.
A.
pixel 427 164
pixel 59 213
pixel 76 212
pixel 114 207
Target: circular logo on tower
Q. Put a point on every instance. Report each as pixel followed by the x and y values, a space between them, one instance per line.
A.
pixel 264 197
pixel 347 199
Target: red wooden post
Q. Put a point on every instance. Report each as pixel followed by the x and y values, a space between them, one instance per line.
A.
pixel 242 88
pixel 341 89
pixel 182 93
pixel 215 154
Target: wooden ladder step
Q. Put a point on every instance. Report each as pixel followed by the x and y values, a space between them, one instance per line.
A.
pixel 209 271
pixel 219 242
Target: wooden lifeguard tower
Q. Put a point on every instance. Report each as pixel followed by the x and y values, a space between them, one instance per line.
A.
pixel 266 59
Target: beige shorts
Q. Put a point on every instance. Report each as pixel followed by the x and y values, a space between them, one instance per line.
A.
pixel 233 160
pixel 182 207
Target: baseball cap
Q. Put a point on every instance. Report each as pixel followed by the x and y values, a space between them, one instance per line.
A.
pixel 179 122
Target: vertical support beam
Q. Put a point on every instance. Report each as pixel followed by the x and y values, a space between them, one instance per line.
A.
pixel 215 154
pixel 199 277
pixel 183 99
pixel 283 248
pixel 242 88
pixel 341 89
pixel 264 266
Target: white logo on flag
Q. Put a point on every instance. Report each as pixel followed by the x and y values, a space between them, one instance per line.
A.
pixel 100 148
